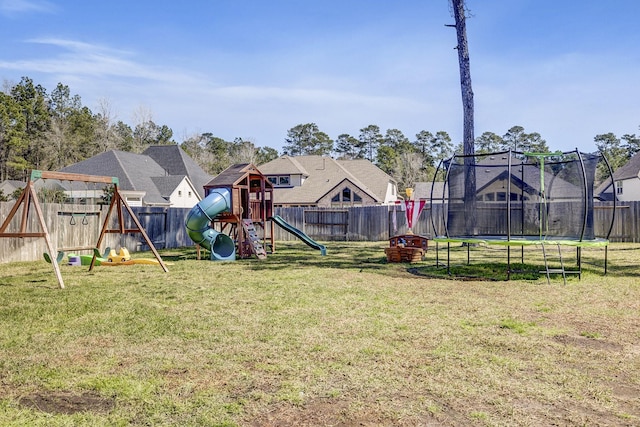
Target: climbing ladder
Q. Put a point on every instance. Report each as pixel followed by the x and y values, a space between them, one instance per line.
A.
pixel 550 271
pixel 561 270
pixel 256 246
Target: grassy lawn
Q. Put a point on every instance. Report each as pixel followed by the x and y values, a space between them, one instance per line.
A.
pixel 341 340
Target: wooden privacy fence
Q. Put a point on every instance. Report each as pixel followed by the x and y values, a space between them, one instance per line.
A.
pixel 71 229
pixel 165 226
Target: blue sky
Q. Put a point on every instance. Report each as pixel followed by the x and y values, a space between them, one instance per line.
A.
pixel 254 69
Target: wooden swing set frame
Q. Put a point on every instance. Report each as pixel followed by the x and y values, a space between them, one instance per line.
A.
pixel 29 197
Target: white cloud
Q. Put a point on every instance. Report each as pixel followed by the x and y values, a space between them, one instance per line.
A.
pixel 568 99
pixel 188 99
pixel 13 7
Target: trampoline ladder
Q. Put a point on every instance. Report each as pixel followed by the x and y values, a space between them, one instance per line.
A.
pixel 550 271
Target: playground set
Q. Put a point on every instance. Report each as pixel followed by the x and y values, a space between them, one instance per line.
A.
pixel 236 219
pixel 507 199
pixel 29 200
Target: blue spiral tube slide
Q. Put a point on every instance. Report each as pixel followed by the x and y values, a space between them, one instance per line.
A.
pixel 199 228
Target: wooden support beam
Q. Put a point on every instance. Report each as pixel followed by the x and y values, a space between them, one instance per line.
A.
pixel 65 176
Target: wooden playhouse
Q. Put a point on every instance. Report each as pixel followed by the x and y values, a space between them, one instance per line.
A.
pixel 247 221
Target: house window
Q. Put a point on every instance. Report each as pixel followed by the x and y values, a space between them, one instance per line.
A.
pixel 618 187
pixel 189 194
pixel 280 180
pixel 283 180
pixel 346 198
pixel 335 201
pixel 179 193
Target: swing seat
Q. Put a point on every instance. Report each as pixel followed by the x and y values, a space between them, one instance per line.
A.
pixel 47 257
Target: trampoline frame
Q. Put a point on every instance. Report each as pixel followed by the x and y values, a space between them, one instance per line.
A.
pixel 508 239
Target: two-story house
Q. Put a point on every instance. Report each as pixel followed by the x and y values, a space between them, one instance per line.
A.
pixel 319 181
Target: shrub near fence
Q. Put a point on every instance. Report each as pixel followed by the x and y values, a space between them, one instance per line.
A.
pixel 165 226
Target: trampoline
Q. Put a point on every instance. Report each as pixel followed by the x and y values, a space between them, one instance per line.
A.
pixel 521 199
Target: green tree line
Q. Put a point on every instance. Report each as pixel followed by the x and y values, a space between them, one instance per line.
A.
pixel 48 131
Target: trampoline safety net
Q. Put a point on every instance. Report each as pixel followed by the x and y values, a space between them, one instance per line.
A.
pixel 520 195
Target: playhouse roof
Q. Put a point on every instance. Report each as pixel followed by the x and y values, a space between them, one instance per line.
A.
pixel 233 175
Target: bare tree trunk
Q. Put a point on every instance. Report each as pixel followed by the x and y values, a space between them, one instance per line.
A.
pixel 465 76
pixel 459 10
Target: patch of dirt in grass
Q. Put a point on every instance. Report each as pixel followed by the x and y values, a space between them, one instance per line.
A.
pixel 66 402
pixel 589 343
pixel 318 412
pixel 329 412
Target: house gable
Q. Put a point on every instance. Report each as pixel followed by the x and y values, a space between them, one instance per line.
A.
pixel 185 195
pixel 626 183
pixel 495 190
pixel 176 162
pixel 346 194
pixel 179 191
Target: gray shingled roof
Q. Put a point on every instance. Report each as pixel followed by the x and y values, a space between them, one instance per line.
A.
pixel 176 162
pixel 11 185
pixel 491 168
pixel 284 165
pixel 630 170
pixel 167 184
pixel 322 175
pixel 422 190
pixel 134 172
pixel 157 171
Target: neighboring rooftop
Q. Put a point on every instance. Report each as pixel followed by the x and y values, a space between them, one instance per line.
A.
pixel 176 162
pixel 156 172
pixel 320 175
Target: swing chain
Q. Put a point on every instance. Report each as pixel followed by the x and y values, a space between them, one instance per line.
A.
pixel 73 204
